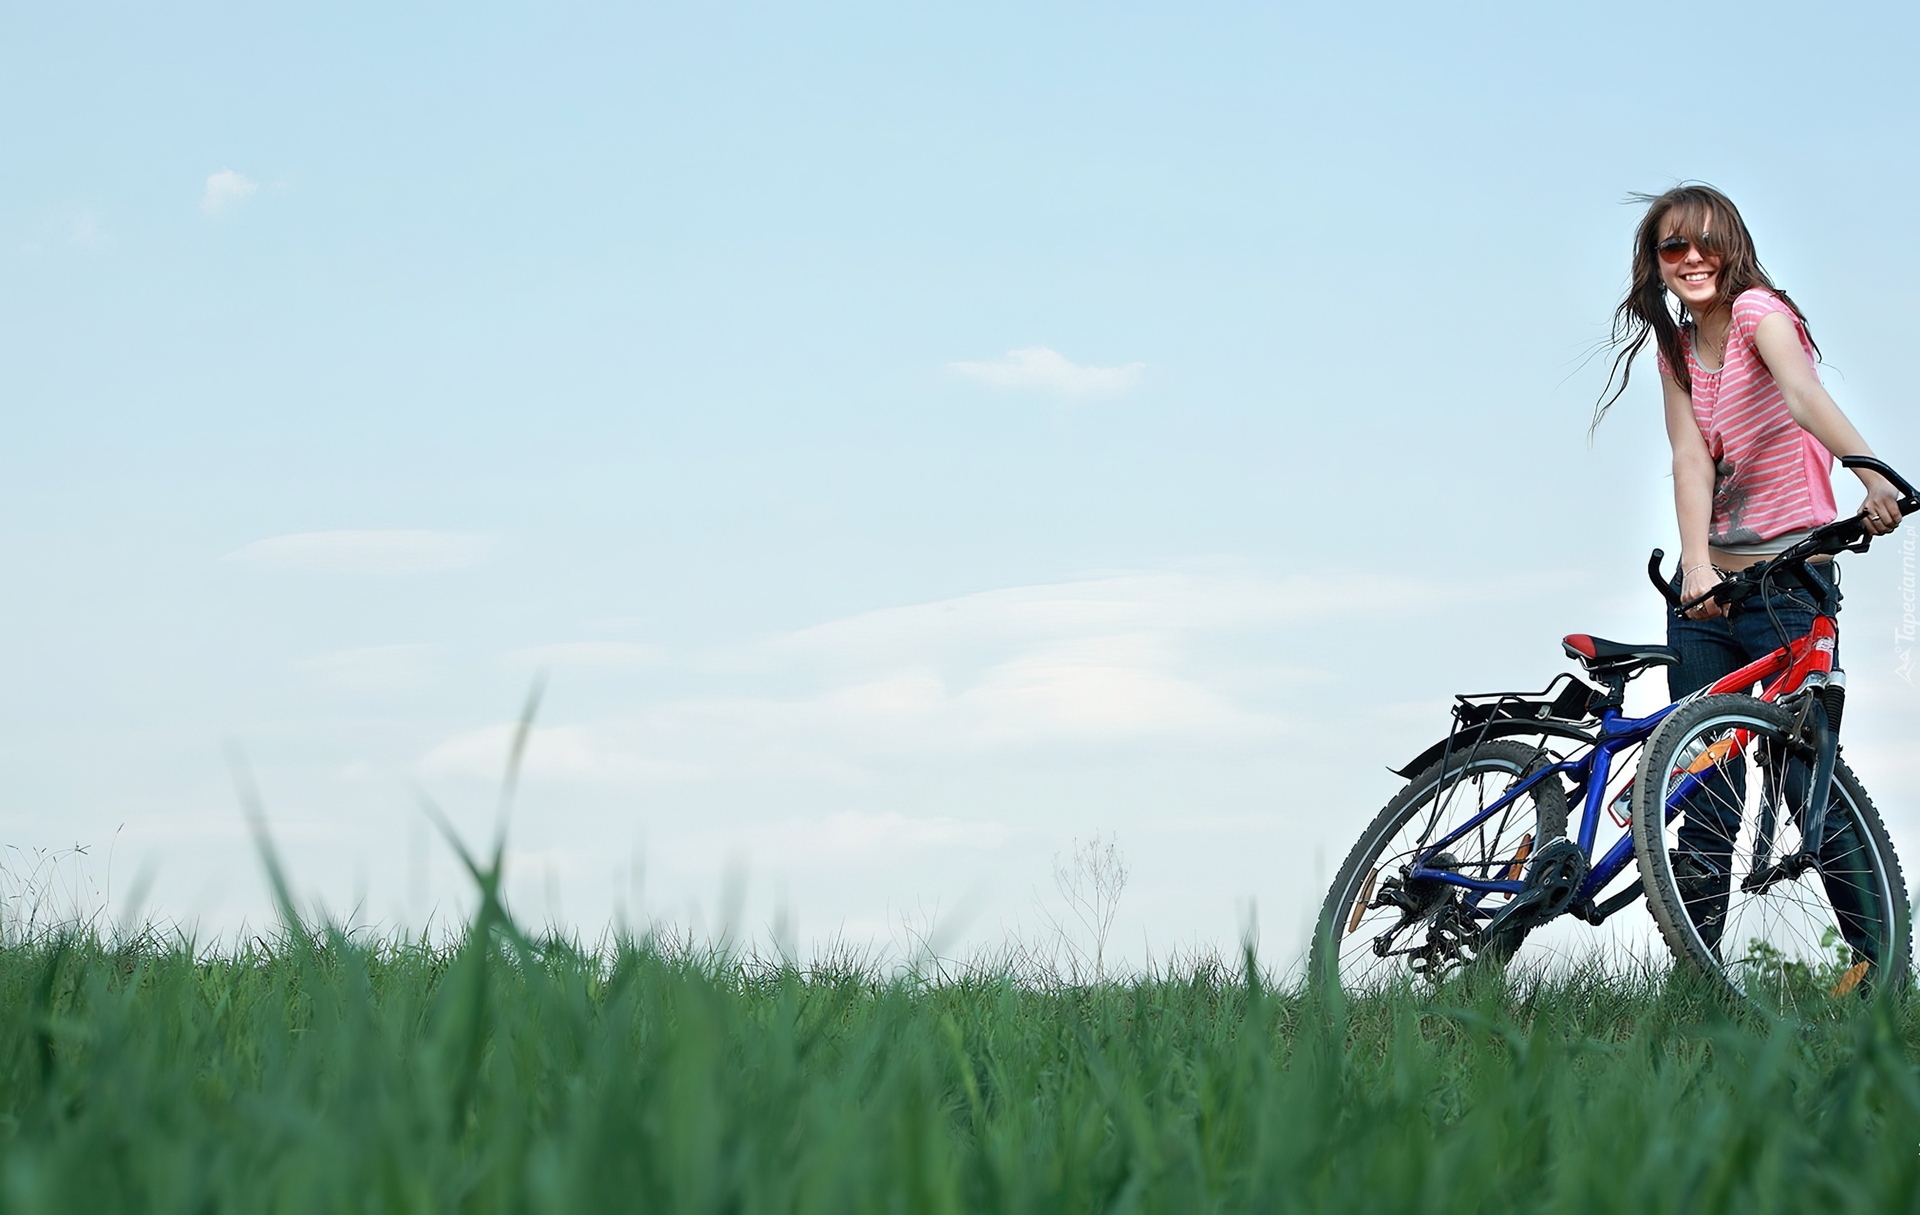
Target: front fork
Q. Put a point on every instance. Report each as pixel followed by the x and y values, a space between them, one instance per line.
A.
pixel 1823 721
pixel 1818 721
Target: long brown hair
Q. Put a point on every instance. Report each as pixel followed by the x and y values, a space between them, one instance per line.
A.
pixel 1711 218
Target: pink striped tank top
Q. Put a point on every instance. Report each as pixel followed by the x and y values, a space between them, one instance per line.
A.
pixel 1770 476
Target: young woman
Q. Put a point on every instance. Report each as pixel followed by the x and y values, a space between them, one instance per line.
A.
pixel 1754 435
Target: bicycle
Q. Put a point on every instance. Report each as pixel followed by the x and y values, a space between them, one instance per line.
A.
pixel 1472 855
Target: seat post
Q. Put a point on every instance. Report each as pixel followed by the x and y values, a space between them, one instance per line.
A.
pixel 1615 682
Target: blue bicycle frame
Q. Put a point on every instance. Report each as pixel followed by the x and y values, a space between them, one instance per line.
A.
pixel 1589 773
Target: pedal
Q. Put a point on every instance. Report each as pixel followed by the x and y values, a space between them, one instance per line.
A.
pixel 1555 875
pixel 1786 869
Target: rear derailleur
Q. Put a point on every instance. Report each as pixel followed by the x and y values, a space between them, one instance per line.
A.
pixel 1455 934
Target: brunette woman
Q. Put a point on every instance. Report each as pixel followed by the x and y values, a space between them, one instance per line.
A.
pixel 1754 436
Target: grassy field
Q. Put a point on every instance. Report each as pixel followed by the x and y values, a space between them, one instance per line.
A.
pixel 321 1073
pixel 324 1071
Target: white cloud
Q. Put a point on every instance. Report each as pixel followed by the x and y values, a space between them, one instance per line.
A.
pixel 1210 658
pixel 596 755
pixel 1045 370
pixel 226 190
pixel 1179 602
pixel 372 669
pixel 1099 687
pixel 855 837
pixel 365 552
pixel 1101 661
pixel 576 655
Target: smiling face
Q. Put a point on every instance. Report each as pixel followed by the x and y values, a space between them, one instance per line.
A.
pixel 1690 272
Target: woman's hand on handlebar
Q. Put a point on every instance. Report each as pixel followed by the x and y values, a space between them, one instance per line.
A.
pixel 1880 513
pixel 1696 581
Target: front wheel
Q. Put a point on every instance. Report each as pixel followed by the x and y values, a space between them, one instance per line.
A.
pixel 1719 807
pixel 1381 924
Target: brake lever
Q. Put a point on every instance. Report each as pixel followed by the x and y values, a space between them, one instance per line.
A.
pixel 1722 593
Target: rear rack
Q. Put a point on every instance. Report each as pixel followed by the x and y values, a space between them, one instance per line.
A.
pixel 1565 708
pixel 1569 705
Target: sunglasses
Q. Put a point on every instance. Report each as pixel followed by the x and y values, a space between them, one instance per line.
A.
pixel 1673 250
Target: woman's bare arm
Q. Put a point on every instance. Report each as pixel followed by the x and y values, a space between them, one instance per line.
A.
pixel 1815 411
pixel 1692 496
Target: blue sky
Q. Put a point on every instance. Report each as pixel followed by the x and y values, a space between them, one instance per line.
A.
pixel 911 439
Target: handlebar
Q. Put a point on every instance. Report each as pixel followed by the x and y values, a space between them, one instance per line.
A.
pixel 1847 535
pixel 1908 497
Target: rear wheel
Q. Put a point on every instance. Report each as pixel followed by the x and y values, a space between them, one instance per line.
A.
pixel 1719 809
pixel 1380 925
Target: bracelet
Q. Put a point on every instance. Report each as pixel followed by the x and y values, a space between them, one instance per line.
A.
pixel 1704 565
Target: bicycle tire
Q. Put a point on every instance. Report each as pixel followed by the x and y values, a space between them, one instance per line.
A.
pixel 1345 953
pixel 1789 946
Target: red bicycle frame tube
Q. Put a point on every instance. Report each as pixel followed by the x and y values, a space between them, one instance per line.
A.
pixel 1792 663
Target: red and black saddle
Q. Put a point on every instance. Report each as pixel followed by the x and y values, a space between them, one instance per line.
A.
pixel 1607 659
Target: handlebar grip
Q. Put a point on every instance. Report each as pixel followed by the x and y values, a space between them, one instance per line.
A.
pixel 1722 591
pixel 1899 482
pixel 1659 580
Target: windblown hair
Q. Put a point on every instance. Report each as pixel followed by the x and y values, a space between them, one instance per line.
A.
pixel 1711 219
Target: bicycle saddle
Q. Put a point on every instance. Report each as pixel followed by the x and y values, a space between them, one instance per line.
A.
pixel 1602 657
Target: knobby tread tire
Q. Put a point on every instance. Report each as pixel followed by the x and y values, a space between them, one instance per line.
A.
pixel 1656 868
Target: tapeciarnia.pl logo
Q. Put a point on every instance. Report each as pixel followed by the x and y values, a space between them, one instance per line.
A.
pixel 1904 632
